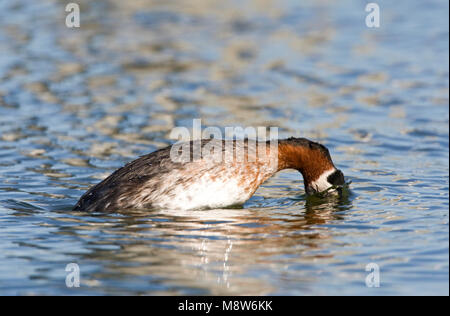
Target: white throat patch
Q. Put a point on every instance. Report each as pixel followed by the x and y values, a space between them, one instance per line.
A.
pixel 321 184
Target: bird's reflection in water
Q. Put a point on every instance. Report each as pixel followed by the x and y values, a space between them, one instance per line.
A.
pixel 207 252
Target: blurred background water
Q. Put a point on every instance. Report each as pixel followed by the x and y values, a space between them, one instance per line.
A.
pixel 75 104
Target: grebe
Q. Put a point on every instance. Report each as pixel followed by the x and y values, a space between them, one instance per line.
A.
pixel 157 181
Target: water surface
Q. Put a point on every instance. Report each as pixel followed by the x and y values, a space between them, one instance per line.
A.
pixel 75 104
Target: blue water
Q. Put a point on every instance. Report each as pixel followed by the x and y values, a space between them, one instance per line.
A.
pixel 75 104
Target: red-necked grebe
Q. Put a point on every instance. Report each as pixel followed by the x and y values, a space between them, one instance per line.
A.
pixel 157 181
